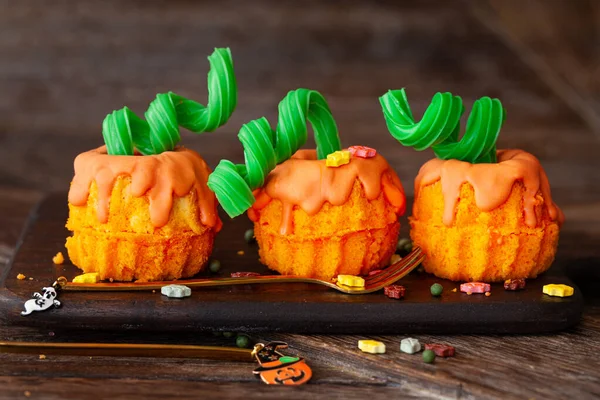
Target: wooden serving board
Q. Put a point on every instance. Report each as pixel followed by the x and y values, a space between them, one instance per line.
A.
pixel 301 308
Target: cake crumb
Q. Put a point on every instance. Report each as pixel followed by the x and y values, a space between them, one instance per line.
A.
pixel 21 277
pixel 154 291
pixel 240 253
pixel 110 280
pixel 58 259
pixel 454 290
pixel 488 294
pixel 27 393
pixel 42 356
pixel 30 278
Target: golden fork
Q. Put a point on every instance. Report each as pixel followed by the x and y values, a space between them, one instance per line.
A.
pixel 373 283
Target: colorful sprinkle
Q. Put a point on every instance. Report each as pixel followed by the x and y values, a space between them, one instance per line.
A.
pixel 90 277
pixel 475 287
pixel 362 151
pixel 394 291
pixel 436 289
pixel 176 291
pixel 249 236
pixel 410 346
pixel 404 246
pixel 440 350
pixel 244 274
pixel 338 158
pixel 21 277
pixel 350 280
pixel 428 356
pixel 371 346
pixel 214 266
pixel 242 341
pixel 558 290
pixel 514 284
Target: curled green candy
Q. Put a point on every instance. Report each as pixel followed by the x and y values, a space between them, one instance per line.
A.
pixel 264 148
pixel 440 125
pixel 124 131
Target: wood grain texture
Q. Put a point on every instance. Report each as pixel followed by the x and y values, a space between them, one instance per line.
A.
pixel 62 68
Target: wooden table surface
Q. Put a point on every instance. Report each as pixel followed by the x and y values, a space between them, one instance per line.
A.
pixel 62 68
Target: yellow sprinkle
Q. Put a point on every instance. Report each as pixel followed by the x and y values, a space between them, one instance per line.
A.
pixel 338 158
pixel 350 280
pixel 558 290
pixel 371 346
pixel 90 277
pixel 454 290
pixel 240 253
pixel 21 277
pixel 42 356
pixel 58 258
pixel 395 258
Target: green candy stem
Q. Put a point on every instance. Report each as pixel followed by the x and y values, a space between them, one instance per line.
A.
pixel 264 148
pixel 123 131
pixel 440 125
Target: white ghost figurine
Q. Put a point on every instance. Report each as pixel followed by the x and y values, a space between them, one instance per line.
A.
pixel 41 302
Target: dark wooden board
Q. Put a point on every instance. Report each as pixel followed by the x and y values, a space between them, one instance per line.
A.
pixel 277 308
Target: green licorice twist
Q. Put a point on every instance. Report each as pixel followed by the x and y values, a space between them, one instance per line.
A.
pixel 264 148
pixel 439 128
pixel 123 131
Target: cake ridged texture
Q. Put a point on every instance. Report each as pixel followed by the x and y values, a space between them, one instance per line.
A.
pixel 482 246
pixel 128 246
pixel 353 238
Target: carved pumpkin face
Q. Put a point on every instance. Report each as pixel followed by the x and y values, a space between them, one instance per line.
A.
pixel 287 374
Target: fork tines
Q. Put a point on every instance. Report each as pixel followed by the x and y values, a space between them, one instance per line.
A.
pixel 395 269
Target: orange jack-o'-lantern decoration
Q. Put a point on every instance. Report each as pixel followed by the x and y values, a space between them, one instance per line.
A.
pixel 277 369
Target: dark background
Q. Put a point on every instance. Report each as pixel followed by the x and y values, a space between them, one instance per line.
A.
pixel 65 65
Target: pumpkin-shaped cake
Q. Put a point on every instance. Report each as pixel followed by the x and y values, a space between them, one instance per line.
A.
pixel 139 207
pixel 479 214
pixel 317 213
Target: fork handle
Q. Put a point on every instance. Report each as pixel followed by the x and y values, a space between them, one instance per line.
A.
pixel 141 286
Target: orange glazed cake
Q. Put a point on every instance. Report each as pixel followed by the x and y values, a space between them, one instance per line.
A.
pixel 315 221
pixel 317 213
pixel 139 207
pixel 479 214
pixel 141 217
pixel 485 222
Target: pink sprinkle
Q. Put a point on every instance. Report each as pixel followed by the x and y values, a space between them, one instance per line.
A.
pixel 243 274
pixel 362 151
pixel 374 272
pixel 475 287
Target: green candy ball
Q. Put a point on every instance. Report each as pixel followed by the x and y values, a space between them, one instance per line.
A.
pixel 436 289
pixel 428 356
pixel 214 266
pixel 242 341
pixel 228 334
pixel 249 236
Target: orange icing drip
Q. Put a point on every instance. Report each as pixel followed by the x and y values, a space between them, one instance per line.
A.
pixel 159 176
pixel 492 183
pixel 308 183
